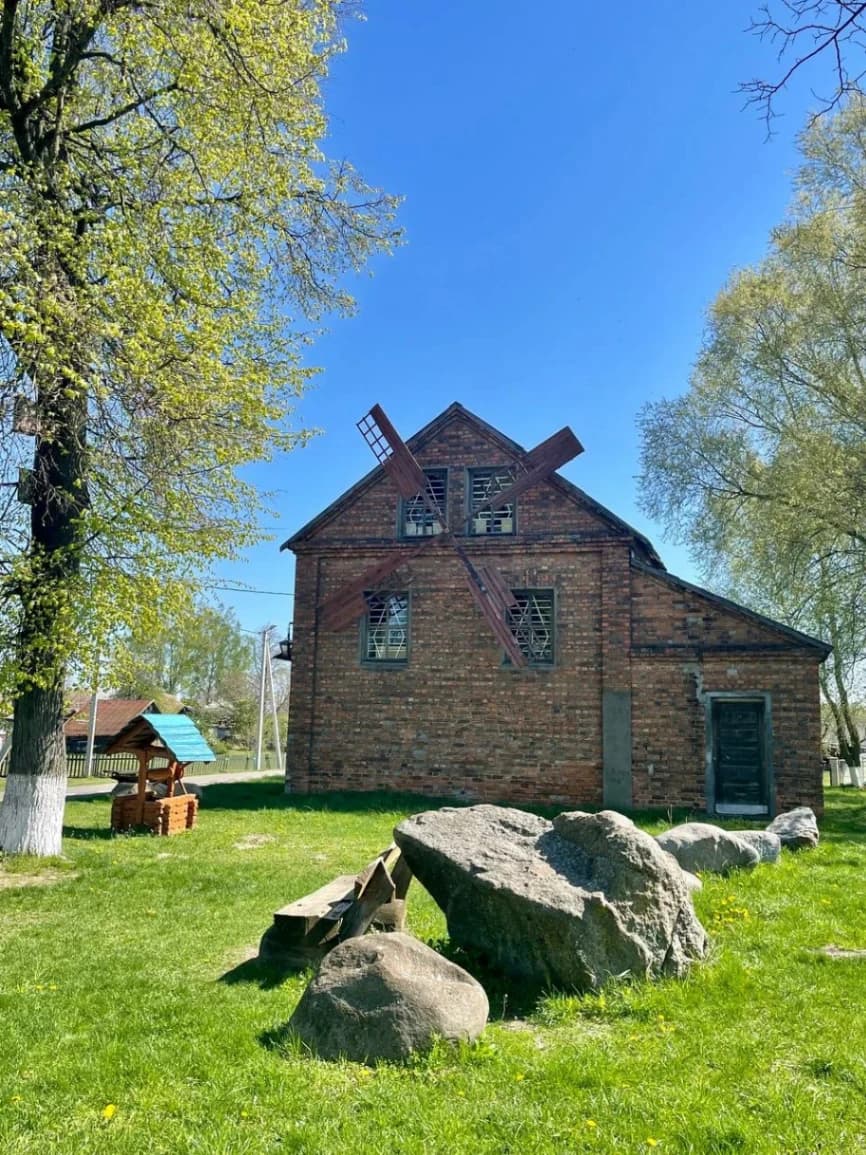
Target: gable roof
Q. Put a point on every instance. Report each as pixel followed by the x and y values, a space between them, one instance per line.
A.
pixel 112 714
pixel 177 733
pixel 454 412
pixel 794 636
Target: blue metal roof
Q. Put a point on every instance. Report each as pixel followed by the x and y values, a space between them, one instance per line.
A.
pixel 181 737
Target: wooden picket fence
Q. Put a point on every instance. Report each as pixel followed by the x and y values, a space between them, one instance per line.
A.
pixel 104 765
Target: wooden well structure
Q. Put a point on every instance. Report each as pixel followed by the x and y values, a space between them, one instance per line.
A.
pixel 175 741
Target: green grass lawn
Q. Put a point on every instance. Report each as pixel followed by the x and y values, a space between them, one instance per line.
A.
pixel 130 1021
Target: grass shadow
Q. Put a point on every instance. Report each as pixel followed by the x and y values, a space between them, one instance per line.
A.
pixel 88 833
pixel 266 975
pixel 278 1039
pixel 509 998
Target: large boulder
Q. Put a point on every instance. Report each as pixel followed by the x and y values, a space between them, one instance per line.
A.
pixel 700 846
pixel 797 829
pixel 768 845
pixel 566 904
pixel 385 996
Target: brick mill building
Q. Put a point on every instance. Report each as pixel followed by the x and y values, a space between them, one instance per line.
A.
pixel 639 689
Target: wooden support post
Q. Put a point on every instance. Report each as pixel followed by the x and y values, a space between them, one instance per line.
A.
pixel 142 784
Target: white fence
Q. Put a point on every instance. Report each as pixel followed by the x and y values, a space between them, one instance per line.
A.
pixel 841 774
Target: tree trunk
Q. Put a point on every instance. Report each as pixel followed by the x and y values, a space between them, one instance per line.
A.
pixel 31 817
pixel 31 814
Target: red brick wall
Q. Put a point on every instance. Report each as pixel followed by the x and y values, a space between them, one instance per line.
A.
pixel 454 720
pixel 685 646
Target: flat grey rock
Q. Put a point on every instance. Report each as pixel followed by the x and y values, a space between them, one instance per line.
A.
pixel 567 904
pixel 387 996
pixel 797 829
pixel 767 844
pixel 700 846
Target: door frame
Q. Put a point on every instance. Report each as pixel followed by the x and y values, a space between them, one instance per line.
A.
pixel 726 809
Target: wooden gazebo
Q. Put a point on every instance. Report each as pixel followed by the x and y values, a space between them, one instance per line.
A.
pixel 175 741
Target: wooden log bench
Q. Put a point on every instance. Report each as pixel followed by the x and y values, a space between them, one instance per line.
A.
pixel 305 930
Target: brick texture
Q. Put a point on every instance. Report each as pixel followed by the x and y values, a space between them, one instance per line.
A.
pixel 454 720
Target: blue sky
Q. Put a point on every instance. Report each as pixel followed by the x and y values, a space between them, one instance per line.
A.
pixel 578 187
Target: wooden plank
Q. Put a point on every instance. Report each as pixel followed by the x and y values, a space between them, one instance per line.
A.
pixel 545 459
pixel 348 603
pixel 398 868
pixel 376 890
pixel 329 903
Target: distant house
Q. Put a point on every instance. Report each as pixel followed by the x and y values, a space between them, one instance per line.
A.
pixel 112 715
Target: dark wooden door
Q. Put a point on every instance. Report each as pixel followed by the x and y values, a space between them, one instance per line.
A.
pixel 738 753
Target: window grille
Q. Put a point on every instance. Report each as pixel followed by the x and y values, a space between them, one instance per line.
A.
pixel 483 485
pixel 531 622
pixel 416 518
pixel 386 635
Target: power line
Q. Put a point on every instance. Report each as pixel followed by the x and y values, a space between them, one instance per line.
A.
pixel 249 590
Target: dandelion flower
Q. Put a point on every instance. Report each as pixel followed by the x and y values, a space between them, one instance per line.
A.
pixel 109 1111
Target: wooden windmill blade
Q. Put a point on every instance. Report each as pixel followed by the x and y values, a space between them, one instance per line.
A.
pixel 543 460
pixel 493 598
pixel 395 457
pixel 348 603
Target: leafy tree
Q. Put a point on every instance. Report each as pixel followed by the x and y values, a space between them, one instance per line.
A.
pixel 761 466
pixel 202 654
pixel 170 233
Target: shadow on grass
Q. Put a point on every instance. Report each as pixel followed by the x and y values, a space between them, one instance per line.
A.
pixel 266 975
pixel 280 1039
pixel 509 998
pixel 88 833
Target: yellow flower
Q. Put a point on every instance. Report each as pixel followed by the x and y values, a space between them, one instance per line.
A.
pixel 652 1142
pixel 591 1123
pixel 518 1078
pixel 109 1111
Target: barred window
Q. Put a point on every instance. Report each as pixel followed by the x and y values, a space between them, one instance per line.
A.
pixel 386 627
pixel 416 518
pixel 532 624
pixel 484 484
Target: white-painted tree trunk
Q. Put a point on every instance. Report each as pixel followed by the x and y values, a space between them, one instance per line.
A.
pixel 31 816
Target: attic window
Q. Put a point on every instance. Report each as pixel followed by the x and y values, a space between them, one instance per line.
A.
pixel 416 518
pixel 386 627
pixel 484 484
pixel 532 623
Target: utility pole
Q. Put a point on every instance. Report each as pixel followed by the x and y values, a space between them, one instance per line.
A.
pixel 274 717
pixel 263 673
pixel 91 723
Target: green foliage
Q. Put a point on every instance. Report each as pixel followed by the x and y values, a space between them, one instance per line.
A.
pixel 756 1052
pixel 761 466
pixel 171 233
pixel 201 654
